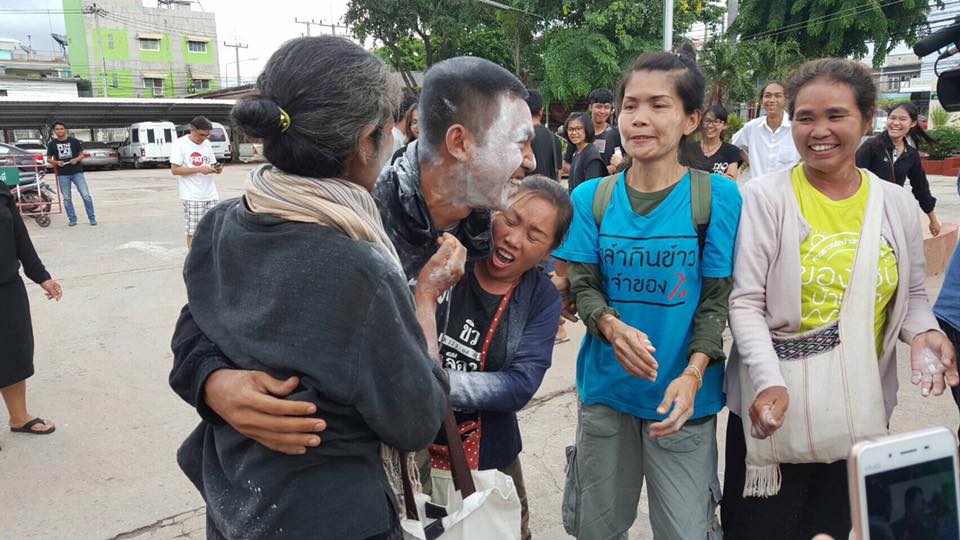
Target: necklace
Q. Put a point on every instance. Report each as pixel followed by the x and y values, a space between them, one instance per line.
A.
pixel 710 152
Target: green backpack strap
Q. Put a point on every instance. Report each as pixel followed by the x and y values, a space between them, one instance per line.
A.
pixel 701 198
pixel 601 197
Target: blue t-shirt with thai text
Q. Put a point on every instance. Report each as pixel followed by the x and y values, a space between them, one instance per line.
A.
pixel 651 273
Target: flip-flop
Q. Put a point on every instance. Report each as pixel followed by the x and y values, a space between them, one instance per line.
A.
pixel 26 428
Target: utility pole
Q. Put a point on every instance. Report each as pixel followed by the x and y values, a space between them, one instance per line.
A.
pixel 309 23
pixel 236 48
pixel 96 11
pixel 333 27
pixel 668 25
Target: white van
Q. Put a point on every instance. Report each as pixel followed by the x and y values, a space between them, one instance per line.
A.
pixel 219 140
pixel 148 143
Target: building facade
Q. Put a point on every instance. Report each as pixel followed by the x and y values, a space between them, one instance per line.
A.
pixel 25 72
pixel 127 50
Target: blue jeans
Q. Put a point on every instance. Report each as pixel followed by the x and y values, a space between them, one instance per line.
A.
pixel 65 192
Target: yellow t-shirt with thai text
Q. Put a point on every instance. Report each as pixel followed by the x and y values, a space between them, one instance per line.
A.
pixel 828 252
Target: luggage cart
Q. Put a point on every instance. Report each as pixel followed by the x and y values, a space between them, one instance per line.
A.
pixel 24 174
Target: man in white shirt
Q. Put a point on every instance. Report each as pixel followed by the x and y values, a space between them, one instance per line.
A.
pixel 193 160
pixel 765 142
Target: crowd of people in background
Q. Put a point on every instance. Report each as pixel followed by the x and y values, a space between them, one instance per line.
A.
pixel 399 256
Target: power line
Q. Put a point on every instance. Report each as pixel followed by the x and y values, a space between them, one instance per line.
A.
pixel 236 48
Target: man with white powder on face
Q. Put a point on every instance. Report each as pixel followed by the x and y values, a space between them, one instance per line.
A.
pixel 476 132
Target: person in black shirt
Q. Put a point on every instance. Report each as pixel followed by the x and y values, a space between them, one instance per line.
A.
pixel 16 331
pixel 65 154
pixel 600 109
pixel 546 145
pixel 587 163
pixel 499 337
pixel 888 156
pixel 710 153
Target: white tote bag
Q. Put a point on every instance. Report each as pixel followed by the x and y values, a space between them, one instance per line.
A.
pixel 832 376
pixel 466 505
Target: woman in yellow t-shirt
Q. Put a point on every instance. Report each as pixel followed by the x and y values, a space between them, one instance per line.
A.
pixel 799 233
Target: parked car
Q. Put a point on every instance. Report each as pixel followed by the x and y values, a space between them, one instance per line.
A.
pixel 34 146
pixel 148 143
pixel 219 140
pixel 98 154
pixel 30 167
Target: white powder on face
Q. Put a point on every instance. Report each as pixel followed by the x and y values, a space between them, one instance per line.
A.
pixel 484 180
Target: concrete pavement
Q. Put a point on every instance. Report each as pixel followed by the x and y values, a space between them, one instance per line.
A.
pixel 102 363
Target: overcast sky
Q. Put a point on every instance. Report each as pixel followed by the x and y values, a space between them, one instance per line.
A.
pixel 261 25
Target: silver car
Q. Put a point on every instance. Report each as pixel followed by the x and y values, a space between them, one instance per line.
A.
pixel 35 147
pixel 99 155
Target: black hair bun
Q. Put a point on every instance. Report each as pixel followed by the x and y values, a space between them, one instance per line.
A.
pixel 686 50
pixel 258 117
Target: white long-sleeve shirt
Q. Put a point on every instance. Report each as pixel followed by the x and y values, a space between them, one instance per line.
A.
pixel 768 150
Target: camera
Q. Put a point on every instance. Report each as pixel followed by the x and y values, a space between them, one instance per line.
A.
pixel 948 82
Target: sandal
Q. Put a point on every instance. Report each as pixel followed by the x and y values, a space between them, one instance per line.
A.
pixel 27 428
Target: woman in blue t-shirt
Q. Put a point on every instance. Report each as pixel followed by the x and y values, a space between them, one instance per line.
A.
pixel 652 288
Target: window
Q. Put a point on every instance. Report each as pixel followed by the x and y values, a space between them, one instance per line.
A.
pixel 168 135
pixel 151 138
pixel 153 86
pixel 197 46
pixel 3 93
pixel 115 81
pixel 149 44
pixel 217 135
pixel 110 41
pixel 201 84
pixel 135 135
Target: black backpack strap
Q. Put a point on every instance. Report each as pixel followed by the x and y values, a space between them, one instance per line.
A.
pixel 701 199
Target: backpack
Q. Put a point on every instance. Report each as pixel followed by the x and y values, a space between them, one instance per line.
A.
pixel 701 197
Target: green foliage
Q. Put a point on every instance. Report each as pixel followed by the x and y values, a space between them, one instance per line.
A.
pixel 948 142
pixel 577 60
pixel 939 117
pixel 735 71
pixel 573 46
pixel 734 124
pixel 834 27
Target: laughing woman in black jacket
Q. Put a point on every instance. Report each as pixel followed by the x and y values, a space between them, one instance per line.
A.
pixel 889 156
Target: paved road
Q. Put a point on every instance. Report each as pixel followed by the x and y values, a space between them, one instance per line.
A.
pixel 102 362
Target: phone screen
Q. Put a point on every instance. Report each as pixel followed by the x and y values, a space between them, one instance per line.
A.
pixel 913 502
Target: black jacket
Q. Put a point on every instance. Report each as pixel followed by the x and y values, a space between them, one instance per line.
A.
pixel 293 298
pixel 876 155
pixel 407 219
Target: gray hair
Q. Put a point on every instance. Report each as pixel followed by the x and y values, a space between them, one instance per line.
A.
pixel 332 90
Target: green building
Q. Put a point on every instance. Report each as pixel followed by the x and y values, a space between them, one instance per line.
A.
pixel 127 50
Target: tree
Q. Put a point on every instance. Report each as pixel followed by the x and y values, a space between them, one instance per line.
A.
pixel 736 71
pixel 589 42
pixel 834 27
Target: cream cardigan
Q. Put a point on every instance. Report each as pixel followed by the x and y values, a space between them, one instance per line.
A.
pixel 766 275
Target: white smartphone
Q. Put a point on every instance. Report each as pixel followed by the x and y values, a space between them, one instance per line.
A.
pixel 904 487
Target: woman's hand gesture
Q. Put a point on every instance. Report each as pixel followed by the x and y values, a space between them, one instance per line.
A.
pixel 632 348
pixel 768 411
pixel 53 290
pixel 933 363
